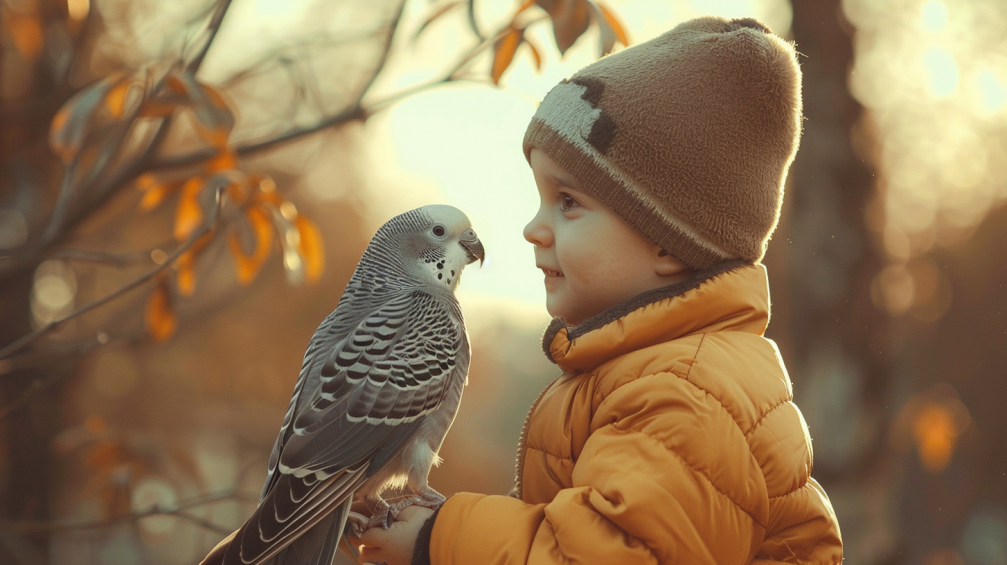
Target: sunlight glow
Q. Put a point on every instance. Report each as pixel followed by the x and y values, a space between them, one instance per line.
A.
pixel 934 15
pixel 992 91
pixel 942 70
pixel 934 94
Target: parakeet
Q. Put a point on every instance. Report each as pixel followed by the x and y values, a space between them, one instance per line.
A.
pixel 379 387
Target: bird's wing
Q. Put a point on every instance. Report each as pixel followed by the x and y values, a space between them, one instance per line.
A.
pixel 375 385
pixel 355 405
pixel 329 336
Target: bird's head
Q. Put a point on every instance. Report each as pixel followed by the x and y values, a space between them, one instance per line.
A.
pixel 435 243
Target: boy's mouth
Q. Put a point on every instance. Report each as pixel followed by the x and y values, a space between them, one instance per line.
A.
pixel 549 272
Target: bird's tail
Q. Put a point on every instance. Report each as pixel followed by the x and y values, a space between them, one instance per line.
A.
pixel 318 545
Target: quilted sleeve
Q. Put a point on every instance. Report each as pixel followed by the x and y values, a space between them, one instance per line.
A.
pixel 666 476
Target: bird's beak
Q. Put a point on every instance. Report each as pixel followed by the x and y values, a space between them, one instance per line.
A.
pixel 473 247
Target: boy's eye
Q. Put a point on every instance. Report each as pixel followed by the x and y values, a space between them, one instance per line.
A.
pixel 567 202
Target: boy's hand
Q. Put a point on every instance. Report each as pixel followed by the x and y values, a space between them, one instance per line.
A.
pixel 395 545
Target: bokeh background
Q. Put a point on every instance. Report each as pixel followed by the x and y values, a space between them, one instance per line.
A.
pixel 150 335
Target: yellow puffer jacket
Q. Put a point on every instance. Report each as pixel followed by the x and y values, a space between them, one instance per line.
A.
pixel 671 438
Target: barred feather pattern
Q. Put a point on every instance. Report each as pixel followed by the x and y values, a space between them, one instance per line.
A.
pixel 382 374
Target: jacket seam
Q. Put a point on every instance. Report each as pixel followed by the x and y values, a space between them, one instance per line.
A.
pixel 691 467
pixel 790 492
pixel 762 418
pixel 599 397
pixel 618 527
pixel 695 357
pixel 549 453
pixel 736 423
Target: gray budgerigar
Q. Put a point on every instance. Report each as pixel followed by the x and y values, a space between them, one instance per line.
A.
pixel 378 390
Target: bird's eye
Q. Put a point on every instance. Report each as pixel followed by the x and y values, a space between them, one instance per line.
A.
pixel 438 231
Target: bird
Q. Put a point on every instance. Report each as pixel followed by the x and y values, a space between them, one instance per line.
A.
pixel 378 389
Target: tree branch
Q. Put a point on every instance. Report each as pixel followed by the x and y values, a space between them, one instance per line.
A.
pixel 350 114
pixel 49 527
pixel 89 256
pixel 27 339
pixel 384 54
pixel 213 27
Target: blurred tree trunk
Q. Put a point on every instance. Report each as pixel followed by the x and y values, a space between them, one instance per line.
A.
pixel 28 421
pixel 841 373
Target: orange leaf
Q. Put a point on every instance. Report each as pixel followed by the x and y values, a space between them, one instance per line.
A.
pixel 214 119
pixel 158 108
pixel 311 247
pixel 159 317
pixel 154 191
pixel 175 84
pixel 613 22
pixel 189 214
pixel 71 123
pixel 115 100
pixel 504 51
pixel 570 19
pixel 535 54
pixel 225 159
pixel 185 278
pixel 248 266
pixel 185 265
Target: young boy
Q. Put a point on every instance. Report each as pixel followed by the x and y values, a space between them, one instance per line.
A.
pixel 671 436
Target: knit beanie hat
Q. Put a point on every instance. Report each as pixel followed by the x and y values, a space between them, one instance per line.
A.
pixel 688 137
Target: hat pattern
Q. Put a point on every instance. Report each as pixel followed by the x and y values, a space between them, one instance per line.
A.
pixel 572 106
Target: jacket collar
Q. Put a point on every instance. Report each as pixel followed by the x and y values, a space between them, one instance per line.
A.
pixel 732 295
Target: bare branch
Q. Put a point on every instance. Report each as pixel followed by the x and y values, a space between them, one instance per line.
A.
pixel 473 22
pixel 88 256
pixel 350 114
pixel 213 27
pixel 384 53
pixel 27 339
pixel 49 527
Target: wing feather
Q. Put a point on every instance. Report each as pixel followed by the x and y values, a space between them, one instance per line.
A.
pixel 368 378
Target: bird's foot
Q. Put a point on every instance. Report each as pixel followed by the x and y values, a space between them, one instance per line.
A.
pixel 357 524
pixel 380 516
pixel 428 498
pixel 384 514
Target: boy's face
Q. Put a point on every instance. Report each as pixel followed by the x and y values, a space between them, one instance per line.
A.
pixel 592 259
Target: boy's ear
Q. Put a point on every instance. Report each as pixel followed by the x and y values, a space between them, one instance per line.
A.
pixel 665 265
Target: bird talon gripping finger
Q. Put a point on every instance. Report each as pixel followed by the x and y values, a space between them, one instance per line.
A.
pixel 378 390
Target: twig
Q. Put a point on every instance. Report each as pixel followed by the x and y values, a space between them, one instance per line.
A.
pixel 353 113
pixel 384 54
pixel 473 22
pixel 213 27
pixel 89 256
pixel 207 227
pixel 48 527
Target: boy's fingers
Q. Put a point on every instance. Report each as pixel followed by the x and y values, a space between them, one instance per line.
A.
pixel 370 555
pixel 374 536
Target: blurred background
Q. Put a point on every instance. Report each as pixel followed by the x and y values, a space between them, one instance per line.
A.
pixel 185 188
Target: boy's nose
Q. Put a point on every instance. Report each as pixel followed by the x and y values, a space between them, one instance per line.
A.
pixel 537 232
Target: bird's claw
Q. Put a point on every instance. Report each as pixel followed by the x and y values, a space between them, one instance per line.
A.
pixel 357 524
pixel 385 514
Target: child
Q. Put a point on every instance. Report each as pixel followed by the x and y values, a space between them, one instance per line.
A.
pixel 671 436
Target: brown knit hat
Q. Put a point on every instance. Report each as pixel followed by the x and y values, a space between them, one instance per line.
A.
pixel 688 136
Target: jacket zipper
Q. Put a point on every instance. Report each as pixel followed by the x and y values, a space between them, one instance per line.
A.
pixel 523 438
